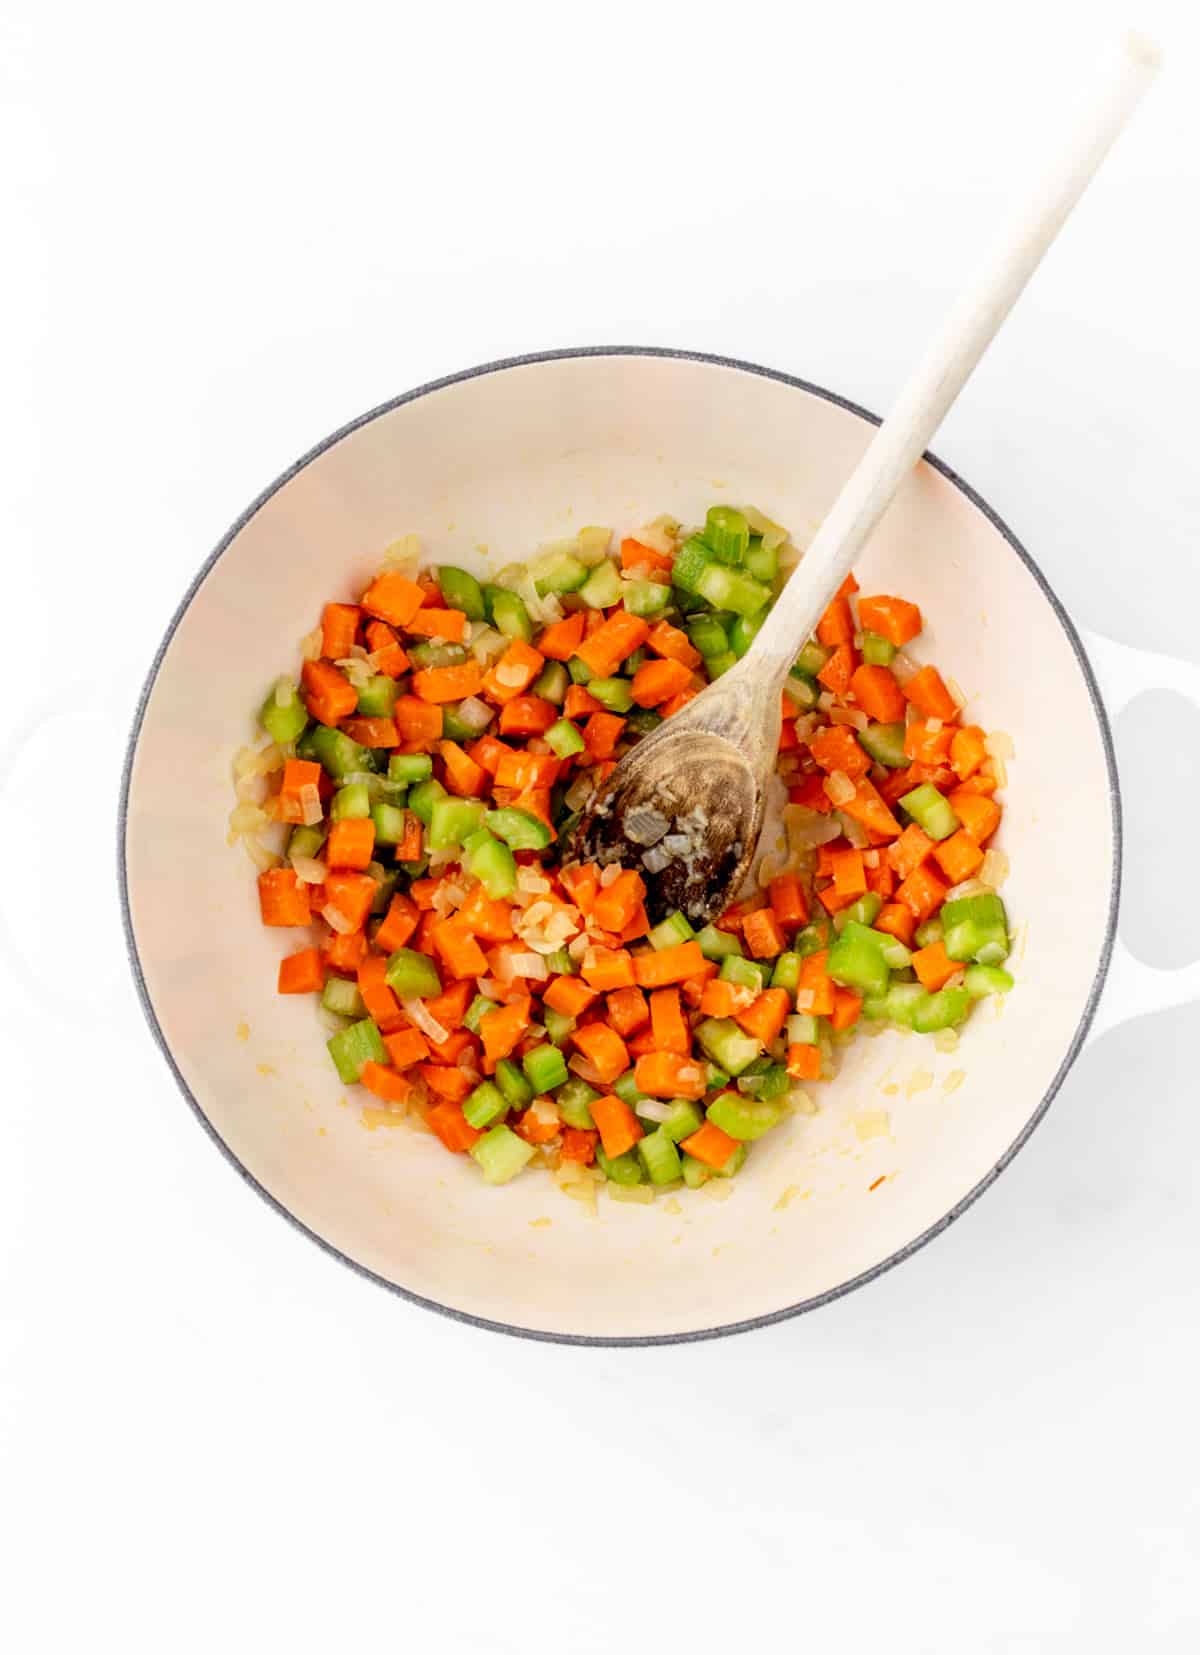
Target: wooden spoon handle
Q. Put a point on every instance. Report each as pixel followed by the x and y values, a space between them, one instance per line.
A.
pixel 949 362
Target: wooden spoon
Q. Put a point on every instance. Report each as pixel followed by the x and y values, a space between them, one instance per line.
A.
pixel 695 788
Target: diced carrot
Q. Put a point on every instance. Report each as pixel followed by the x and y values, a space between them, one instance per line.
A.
pixel 981 783
pixel 636 556
pixel 789 739
pixel 372 732
pixel 811 793
pixel 377 996
pixel 804 1062
pixel 618 1126
pixel 297 775
pixel 386 649
pixel 766 1016
pixel 445 1080
pixel 929 695
pixel 339 629
pixel 895 619
pixel 406 1047
pixel 569 996
pixel 979 815
pixel 849 874
pixel 454 1045
pixel 848 587
pixel 580 703
pixel 909 851
pixel 464 776
pixel 657 681
pixel 535 801
pixel 827 857
pixel 523 769
pixel 429 622
pixel 423 892
pixel 500 1030
pixel 578 1144
pixel 641 1043
pixel 878 694
pixel 846 1008
pixel 345 951
pixel 667 1075
pixel 616 902
pixel 627 1010
pixel 439 684
pixel 601 733
pixel 450 1006
pixel 419 724
pixel 302 973
pixel 282 898
pixel 351 843
pixel 409 848
pixel 534 1129
pixel 763 934
pixel 836 625
pixel 664 966
pixel 839 669
pixel 897 920
pixel 582 883
pixel 513 673
pixel 815 991
pixel 487 917
pixel 922 892
pixel 668 709
pixel 958 856
pixel 384 1082
pixel 328 693
pixel 834 900
pixel 350 895
pixel 882 880
pixel 934 967
pixel 925 746
pixel 967 751
pixel 423 941
pixel 610 644
pixel 674 644
pixel 788 901
pixel 734 917
pixel 451 1126
pixel 604 1049
pixel 527 715
pixel 608 968
pixel 393 598
pixel 835 748
pixel 710 1146
pixel 667 1022
pixel 638 926
pixel 561 639
pixel 722 999
pixel 462 955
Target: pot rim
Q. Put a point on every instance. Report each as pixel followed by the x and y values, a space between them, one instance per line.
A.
pixel 725 1328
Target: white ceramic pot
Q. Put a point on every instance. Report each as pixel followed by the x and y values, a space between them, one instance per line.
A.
pixel 505 457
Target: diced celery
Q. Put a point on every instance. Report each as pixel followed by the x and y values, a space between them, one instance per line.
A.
pixel 660 1158
pixel 802 1029
pixel 338 753
pixel 350 803
pixel 409 768
pixel 621 1169
pixel 510 616
pixel 735 1163
pixel 602 588
pixel 721 1039
pixel 475 1013
pixel 485 1104
pixel 551 682
pixel 436 652
pixel 684 1119
pixel 614 694
pixel 453 821
pixel 902 1000
pixel 895 955
pixel 578 671
pixel 574 1100
pixel 558 1025
pixel 929 932
pixel 305 841
pixel 982 980
pixel 467 721
pixel 885 744
pixel 283 714
pixel 727 534
pixel 931 811
pixel 413 976
pixel 557 572
pixel 352 1047
pixel 764 1080
pixel 695 1172
pixel 856 961
pixel 716 945
pixel 563 739
pixel 501 1154
pixel 340 996
pixel 708 635
pixel 512 1083
pixel 744 1118
pixel 668 933
pixel 691 561
pixel 560 964
pixel 812 658
pixel 520 829
pixel 744 631
pixel 715 1077
pixel 647 598
pixel 862 912
pixel 423 797
pixel 752 974
pixel 386 880
pixel 976 928
pixel 944 1010
pixel 877 651
pixel 761 563
pixel 727 588
pixel 811 940
pixel 642 720
pixel 802 691
pixel 389 823
pixel 716 666
pixel 461 591
pixel 786 973
pixel 545 1068
pixel 491 862
pixel 625 1087
pixel 377 697
pixel 632 662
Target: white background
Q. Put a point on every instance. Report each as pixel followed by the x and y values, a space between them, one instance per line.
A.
pixel 228 229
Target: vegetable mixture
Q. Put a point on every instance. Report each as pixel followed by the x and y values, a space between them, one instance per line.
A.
pixel 431 763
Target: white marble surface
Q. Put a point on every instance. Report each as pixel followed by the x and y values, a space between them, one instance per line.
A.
pixel 229 230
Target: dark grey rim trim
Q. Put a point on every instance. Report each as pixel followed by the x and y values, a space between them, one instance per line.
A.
pixel 967 1200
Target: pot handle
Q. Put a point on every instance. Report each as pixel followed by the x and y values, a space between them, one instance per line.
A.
pixel 1133 989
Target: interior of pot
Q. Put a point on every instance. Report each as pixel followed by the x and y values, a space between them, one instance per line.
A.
pixel 484 468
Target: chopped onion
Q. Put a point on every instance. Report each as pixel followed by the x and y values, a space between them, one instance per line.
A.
pixel 529 879
pixel 849 716
pixel 804 999
pixel 855 832
pixel 308 870
pixel 839 789
pixel 310 804
pixel 545 1112
pixel 258 853
pixel 968 887
pixel 654 1109
pixel 247 818
pixel 933 725
pixel 416 1012
pixel 310 645
pixel 904 667
pixel 993 870
pixel 946 1040
pixel 580 791
pixel 999 772
pixel 580 1066
pixel 656 859
pixel 773 534
pixel 475 714
pixel 826 700
pixel 610 875
pixel 336 920
pixel 592 544
pixel 486 644
pixel 403 556
pixel 661 535
pixel 251 790
pixel 511 675
pixel 999 745
pixel 956 693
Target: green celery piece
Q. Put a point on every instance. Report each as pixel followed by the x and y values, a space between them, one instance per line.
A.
pixel 802 1029
pixel 877 651
pixel 708 635
pixel 929 932
pixel 386 880
pixel 563 739
pixel 660 1158
pixel 976 928
pixel 467 721
pixel 786 973
pixel 896 955
pixel 551 683
pixel 726 1044
pixel 614 694
pixel 574 1102
pixel 762 564
pixel 341 997
pixel 602 588
pixel 735 1163
pixel 558 1025
pixel 284 720
pixel 716 666
pixel 417 869
pixel 684 1119
pixel 557 572
pixel 626 1088
pixel 801 691
pixel 902 1001
pixel 772 1081
pixel 727 534
pixel 453 821
pixel 305 841
pixel 510 616
pixel 520 829
pixel 856 961
pixel 351 1047
pixel 812 658
pixel 485 1104
pixel 423 797
pixel 413 976
pixel 350 803
pixel 863 912
pixel 744 631
pixel 491 862
pixel 695 1173
pixel 811 940
pixel 691 560
pixel 642 720
pixel 632 662
pixel 751 974
pixel 475 1013
pixel 717 945
pixel 560 964
pixel 545 1068
pixel 339 754
pixel 668 933
pixel 715 1077
pixel 436 652
pixel 982 980
pixel 377 697
pixel 744 1118
pixel 874 1008
pixel 461 591
pixel 409 768
pixel 578 671
pixel 944 1010
pixel 647 598
pixel 931 811
pixel 389 823
pixel 500 1154
pixel 727 588
pixel 513 1084
pixel 622 1169
pixel 885 744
